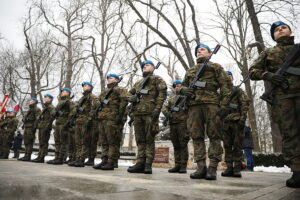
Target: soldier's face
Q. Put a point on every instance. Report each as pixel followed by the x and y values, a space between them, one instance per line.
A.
pixel 47 100
pixel 11 114
pixel 202 52
pixel 64 93
pixel 177 87
pixel 282 31
pixel 31 102
pixel 87 88
pixel 148 68
pixel 231 78
pixel 112 80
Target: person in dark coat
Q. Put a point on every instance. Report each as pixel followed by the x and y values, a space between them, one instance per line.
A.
pixel 248 146
pixel 17 144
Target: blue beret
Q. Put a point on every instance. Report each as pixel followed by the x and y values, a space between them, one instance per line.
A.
pixel 87 83
pixel 202 45
pixel 146 62
pixel 8 111
pixel 229 73
pixel 34 99
pixel 177 82
pixel 13 111
pixel 113 75
pixel 66 89
pixel 48 95
pixel 275 25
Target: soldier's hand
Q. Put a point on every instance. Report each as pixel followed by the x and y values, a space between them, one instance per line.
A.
pixel 155 115
pixel 241 124
pixel 276 79
pixel 187 91
pixel 223 112
pixel 132 99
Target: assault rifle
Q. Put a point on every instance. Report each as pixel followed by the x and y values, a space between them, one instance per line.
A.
pixel 283 70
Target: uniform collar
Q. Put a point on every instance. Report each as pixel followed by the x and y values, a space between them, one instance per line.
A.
pixel 201 60
pixel 284 41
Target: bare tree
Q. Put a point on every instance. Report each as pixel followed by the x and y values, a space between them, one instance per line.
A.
pixel 234 21
pixel 76 15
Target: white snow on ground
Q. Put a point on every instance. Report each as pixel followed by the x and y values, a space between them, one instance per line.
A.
pixel 284 169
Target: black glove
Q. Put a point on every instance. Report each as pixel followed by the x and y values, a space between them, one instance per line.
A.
pixel 241 124
pixel 132 99
pixel 187 91
pixel 276 79
pixel 155 115
pixel 223 112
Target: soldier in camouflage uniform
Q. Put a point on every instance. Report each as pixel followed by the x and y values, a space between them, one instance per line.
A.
pixel 146 117
pixel 63 110
pixel 45 126
pixel 8 128
pixel 286 103
pixel 30 124
pixel 233 124
pixel 202 112
pixel 83 128
pixel 110 118
pixel 178 131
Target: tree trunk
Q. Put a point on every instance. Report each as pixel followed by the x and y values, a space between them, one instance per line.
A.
pixel 69 71
pixel 275 132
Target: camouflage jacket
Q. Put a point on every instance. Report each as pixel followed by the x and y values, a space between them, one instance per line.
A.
pixel 87 102
pixel 45 117
pixel 176 117
pixel 116 106
pixel 153 101
pixel 270 60
pixel 64 108
pixel 214 78
pixel 239 106
pixel 11 125
pixel 31 118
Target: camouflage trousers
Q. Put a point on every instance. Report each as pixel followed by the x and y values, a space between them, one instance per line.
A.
pixel 93 135
pixel 233 136
pixel 145 131
pixel 71 144
pixel 286 112
pixel 83 136
pixel 109 140
pixel 5 143
pixel 44 136
pixel 180 138
pixel 29 138
pixel 61 141
pixel 203 119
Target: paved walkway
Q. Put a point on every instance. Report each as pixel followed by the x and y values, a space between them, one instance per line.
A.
pixel 26 180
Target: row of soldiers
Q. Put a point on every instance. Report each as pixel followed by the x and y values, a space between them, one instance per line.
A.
pixel 212 107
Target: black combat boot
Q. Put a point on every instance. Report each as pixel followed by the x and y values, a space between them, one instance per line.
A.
pixel 38 160
pixel 98 166
pixel 72 163
pixel 25 158
pixel 174 169
pixel 108 166
pixel 79 163
pixel 148 168
pixel 200 173
pixel 116 165
pixel 211 173
pixel 229 171
pixel 237 170
pixel 137 168
pixel 294 181
pixel 182 169
pixel 58 161
pixel 90 162
pixel 51 161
